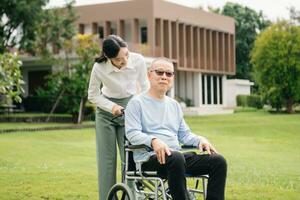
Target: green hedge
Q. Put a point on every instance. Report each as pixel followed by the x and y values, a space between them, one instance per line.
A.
pixel 254 101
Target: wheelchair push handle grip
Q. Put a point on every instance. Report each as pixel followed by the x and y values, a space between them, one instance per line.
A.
pixel 122 114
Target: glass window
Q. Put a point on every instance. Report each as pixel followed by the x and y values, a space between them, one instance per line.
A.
pixel 221 89
pixel 203 89
pixel 209 100
pixel 144 37
pixel 215 88
pixel 101 32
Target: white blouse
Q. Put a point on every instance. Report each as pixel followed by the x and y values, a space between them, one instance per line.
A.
pixel 117 83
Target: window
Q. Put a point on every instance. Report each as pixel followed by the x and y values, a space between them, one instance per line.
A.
pixel 221 89
pixel 100 32
pixel 212 87
pixel 215 88
pixel 81 29
pixel 113 31
pixel 94 28
pixel 209 100
pixel 203 90
pixel 144 38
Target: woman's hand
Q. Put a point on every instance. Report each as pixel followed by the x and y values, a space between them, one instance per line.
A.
pixel 117 110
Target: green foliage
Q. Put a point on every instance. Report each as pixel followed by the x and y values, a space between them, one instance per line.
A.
pixel 74 83
pixel 22 16
pixel 55 82
pixel 90 110
pixel 248 23
pixel 276 60
pixel 241 100
pixel 189 102
pixel 87 47
pixel 10 77
pixel 57 28
pixel 294 15
pixel 254 101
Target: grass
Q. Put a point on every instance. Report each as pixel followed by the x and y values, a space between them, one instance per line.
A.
pixel 262 151
pixel 21 115
pixel 21 125
pixel 48 165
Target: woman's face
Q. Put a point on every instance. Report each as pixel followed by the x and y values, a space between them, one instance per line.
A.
pixel 121 59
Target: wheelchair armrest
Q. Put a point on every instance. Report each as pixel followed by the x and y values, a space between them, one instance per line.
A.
pixel 188 147
pixel 131 147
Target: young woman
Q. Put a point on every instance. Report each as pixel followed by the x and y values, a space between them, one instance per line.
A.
pixel 114 80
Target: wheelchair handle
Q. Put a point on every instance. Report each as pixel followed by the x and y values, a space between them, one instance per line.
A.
pixel 122 113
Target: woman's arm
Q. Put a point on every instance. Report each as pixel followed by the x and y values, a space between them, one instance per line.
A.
pixel 94 93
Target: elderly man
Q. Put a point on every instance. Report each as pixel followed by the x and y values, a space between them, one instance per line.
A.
pixel 156 120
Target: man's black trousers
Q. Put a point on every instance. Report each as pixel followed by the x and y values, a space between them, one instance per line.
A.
pixel 178 164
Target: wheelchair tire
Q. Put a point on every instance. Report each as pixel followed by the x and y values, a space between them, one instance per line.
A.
pixel 120 191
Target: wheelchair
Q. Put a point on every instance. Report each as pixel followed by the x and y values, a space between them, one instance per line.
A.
pixel 147 185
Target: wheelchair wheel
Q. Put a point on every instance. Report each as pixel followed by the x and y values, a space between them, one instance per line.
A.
pixel 120 191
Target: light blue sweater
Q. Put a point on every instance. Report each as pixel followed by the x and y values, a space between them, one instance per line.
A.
pixel 147 118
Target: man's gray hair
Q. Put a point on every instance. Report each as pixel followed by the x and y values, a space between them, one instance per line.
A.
pixel 163 59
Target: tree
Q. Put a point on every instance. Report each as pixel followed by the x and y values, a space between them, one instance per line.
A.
pixel 57 29
pixel 276 60
pixel 87 48
pixel 248 24
pixel 294 15
pixel 75 84
pixel 19 20
pixel 10 77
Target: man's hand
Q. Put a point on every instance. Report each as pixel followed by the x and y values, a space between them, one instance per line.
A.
pixel 161 149
pixel 206 146
pixel 117 110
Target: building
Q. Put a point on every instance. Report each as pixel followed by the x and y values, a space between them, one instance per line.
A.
pixel 200 44
pixel 237 87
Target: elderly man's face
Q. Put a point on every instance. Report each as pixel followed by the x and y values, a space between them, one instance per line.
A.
pixel 161 76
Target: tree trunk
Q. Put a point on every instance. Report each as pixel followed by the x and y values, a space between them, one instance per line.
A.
pixel 55 104
pixel 289 105
pixel 81 110
pixel 67 65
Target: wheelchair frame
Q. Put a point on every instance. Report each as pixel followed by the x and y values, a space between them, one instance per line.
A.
pixel 147 184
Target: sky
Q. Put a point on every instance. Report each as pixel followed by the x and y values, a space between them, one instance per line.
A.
pixel 272 9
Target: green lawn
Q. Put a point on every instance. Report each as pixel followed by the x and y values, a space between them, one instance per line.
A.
pixel 22 125
pixel 262 151
pixel 34 115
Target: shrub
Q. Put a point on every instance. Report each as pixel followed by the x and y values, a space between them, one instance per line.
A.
pixel 241 100
pixel 189 102
pixel 89 111
pixel 254 101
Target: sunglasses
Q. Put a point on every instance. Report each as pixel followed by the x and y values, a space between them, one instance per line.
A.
pixel 161 73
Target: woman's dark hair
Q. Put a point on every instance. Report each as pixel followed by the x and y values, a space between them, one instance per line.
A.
pixel 110 48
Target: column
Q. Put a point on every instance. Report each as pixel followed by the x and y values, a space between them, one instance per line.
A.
pixel 205 89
